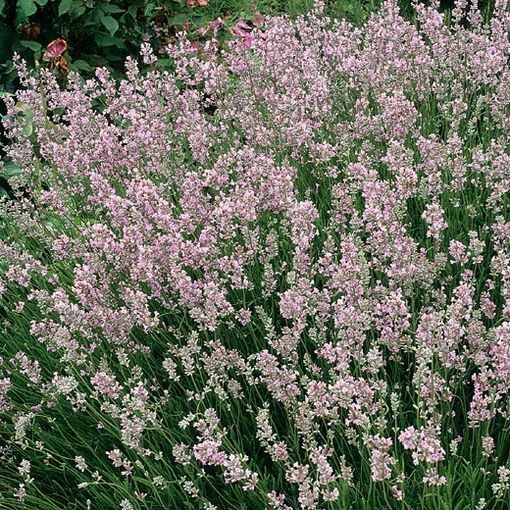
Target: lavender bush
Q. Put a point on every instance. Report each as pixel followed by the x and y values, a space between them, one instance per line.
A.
pixel 276 277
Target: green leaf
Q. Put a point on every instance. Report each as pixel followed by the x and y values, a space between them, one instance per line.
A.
pixel 178 20
pixel 200 21
pixel 28 128
pixel 112 9
pixel 82 65
pixel 104 40
pixel 11 169
pixel 32 45
pixel 64 7
pixel 2 5
pixel 149 9
pixel 76 10
pixel 25 9
pixel 110 23
pixel 133 10
pixel 7 38
pixel 165 62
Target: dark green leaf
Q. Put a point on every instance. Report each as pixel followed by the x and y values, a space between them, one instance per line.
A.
pixel 110 23
pixel 64 7
pixel 149 9
pixel 7 36
pixel 103 39
pixel 133 10
pixel 200 21
pixel 178 20
pixel 165 62
pixel 112 9
pixel 82 65
pixel 11 169
pixel 25 8
pixel 76 10
pixel 32 45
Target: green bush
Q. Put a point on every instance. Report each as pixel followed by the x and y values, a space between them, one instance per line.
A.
pixel 98 32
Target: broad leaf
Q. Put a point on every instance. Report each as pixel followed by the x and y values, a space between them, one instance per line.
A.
pixel 25 9
pixel 178 20
pixel 64 7
pixel 110 23
pixel 33 45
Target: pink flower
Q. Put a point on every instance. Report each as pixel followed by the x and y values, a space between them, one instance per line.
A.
pixel 215 25
pixel 241 30
pixel 382 461
pixel 56 47
pixel 408 438
pixel 207 452
pixel 106 384
pixel 434 217
pixel 292 305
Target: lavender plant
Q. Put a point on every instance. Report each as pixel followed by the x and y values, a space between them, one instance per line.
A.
pixel 275 277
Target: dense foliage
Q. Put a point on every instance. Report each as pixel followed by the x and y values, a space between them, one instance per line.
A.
pixel 273 274
pixel 103 32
